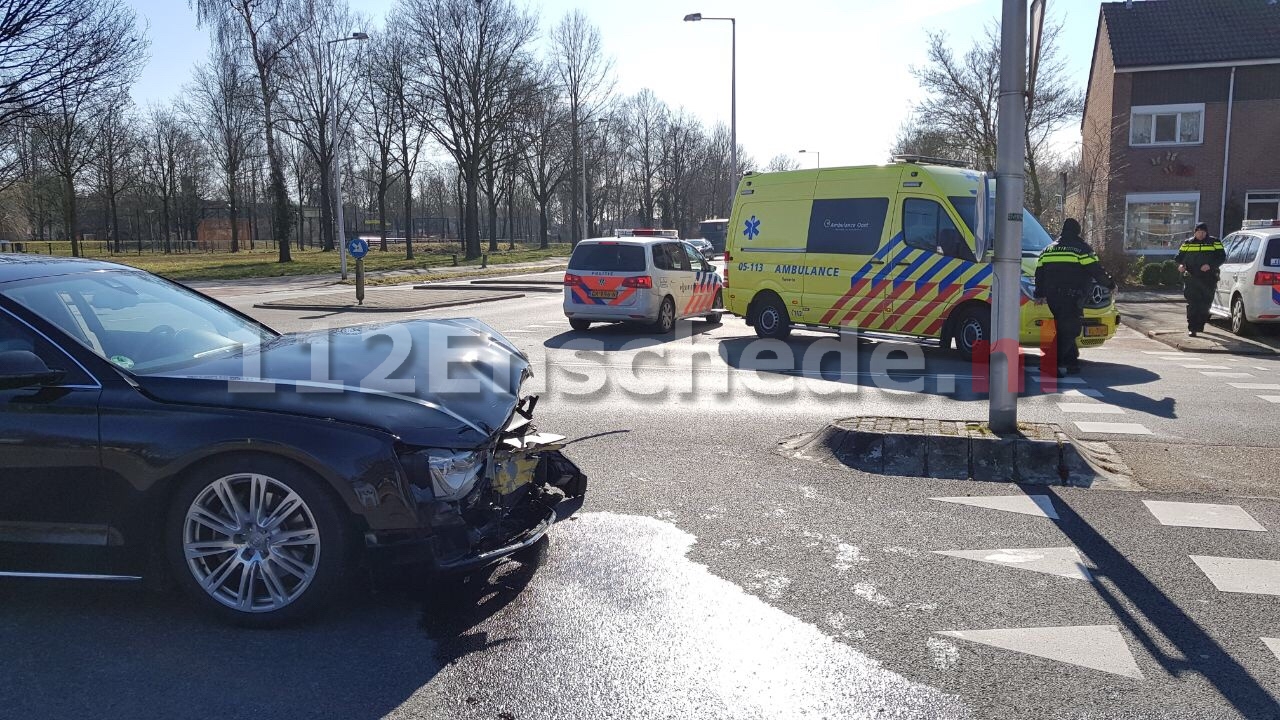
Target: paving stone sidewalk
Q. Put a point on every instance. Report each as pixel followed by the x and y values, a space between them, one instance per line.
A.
pixel 1167 323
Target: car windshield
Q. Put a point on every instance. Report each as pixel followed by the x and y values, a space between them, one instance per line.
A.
pixel 138 321
pixel 1034 237
pixel 608 257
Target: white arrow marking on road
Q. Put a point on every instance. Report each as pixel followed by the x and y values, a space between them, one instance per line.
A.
pixel 1241 575
pixel 1203 515
pixel 1097 647
pixel 1274 644
pixel 1236 375
pixel 1037 505
pixel 1106 428
pixel 1096 408
pixel 1206 367
pixel 1271 398
pixel 1061 561
pixel 1254 386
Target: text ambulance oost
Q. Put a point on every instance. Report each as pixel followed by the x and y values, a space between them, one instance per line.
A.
pixel 882 249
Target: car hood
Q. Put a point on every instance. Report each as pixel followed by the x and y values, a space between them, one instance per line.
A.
pixel 432 383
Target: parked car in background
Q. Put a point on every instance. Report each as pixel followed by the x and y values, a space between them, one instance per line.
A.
pixel 1248 290
pixel 640 276
pixel 704 247
pixel 149 430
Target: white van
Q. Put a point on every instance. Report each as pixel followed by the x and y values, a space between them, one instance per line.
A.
pixel 640 276
pixel 1249 281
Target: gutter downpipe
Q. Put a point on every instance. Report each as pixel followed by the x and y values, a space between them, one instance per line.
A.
pixel 1226 158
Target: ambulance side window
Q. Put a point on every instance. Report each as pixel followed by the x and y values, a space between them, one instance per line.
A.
pixel 926 226
pixel 847 226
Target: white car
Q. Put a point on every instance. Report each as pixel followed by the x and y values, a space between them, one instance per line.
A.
pixel 640 277
pixel 1249 283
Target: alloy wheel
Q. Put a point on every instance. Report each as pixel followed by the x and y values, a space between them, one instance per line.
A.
pixel 251 542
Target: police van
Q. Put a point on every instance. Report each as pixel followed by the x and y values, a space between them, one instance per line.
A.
pixel 884 250
pixel 640 276
pixel 1248 291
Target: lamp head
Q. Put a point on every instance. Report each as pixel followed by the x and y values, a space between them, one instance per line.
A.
pixel 693 17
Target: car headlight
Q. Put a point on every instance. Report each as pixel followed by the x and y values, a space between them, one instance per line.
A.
pixel 1028 286
pixel 453 475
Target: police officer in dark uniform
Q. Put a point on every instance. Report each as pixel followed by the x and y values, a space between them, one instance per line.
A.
pixel 1198 260
pixel 1065 275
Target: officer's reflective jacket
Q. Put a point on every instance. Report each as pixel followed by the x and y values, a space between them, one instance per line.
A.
pixel 1195 254
pixel 1068 268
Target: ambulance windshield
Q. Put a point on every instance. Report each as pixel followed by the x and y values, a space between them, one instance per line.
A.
pixel 1034 236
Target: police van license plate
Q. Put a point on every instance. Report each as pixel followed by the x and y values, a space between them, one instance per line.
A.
pixel 1095 331
pixel 605 294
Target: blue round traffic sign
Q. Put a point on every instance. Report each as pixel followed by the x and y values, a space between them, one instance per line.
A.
pixel 357 248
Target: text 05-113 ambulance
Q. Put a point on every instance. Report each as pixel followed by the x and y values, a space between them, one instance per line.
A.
pixel 881 249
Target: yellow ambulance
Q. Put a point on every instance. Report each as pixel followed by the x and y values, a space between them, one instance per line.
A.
pixel 884 250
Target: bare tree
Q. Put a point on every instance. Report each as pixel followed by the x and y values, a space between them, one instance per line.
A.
pixel 54 49
pixel 544 135
pixel 472 61
pixel 117 161
pixel 646 117
pixel 165 142
pixel 266 29
pixel 222 108
pixel 398 59
pixel 586 76
pixel 782 163
pixel 961 111
pixel 71 121
pixel 377 122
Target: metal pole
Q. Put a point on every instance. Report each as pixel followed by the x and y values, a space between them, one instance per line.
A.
pixel 733 113
pixel 1010 159
pixel 340 241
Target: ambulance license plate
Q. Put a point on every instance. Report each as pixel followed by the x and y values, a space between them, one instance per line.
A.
pixel 604 294
pixel 1095 331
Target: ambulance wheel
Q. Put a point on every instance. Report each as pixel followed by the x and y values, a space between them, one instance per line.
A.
pixel 666 316
pixel 580 325
pixel 771 319
pixel 972 326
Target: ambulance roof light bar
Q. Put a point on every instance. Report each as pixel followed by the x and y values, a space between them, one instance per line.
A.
pixel 646 232
pixel 926 160
pixel 1252 224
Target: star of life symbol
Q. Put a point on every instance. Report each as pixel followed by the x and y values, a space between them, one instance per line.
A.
pixel 752 229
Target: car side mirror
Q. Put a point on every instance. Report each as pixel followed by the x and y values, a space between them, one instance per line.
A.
pixel 708 267
pixel 22 368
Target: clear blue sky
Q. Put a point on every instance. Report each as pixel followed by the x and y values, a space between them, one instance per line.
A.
pixel 826 75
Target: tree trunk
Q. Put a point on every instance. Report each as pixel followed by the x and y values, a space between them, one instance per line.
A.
pixel 382 212
pixel 116 240
pixel 544 242
pixel 471 180
pixel 164 218
pixel 69 190
pixel 235 217
pixel 327 200
pixel 493 219
pixel 408 220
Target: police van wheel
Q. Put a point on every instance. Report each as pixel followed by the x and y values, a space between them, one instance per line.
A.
pixel 971 327
pixel 580 325
pixel 1240 324
pixel 714 318
pixel 666 316
pixel 771 320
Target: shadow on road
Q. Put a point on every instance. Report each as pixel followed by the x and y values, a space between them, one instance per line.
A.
pixel 625 336
pixel 1148 613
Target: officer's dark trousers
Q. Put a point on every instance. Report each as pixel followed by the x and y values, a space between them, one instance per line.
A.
pixel 1199 294
pixel 1068 319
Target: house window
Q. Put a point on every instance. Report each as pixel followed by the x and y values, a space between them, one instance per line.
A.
pixel 1262 206
pixel 1167 125
pixel 1159 222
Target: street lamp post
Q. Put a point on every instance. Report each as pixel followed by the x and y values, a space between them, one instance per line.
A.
pixel 733 97
pixel 337 166
pixel 815 154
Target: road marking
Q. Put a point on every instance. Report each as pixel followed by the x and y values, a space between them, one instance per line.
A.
pixel 1203 515
pixel 1254 386
pixel 1090 407
pixel 1106 428
pixel 1271 398
pixel 1274 644
pixel 1036 505
pixel 1069 380
pixel 1226 374
pixel 1241 575
pixel 1097 647
pixel 1081 393
pixel 1061 561
pixel 1174 353
pixel 1206 367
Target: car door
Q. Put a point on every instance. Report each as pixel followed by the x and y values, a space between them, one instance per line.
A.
pixel 848 259
pixel 1222 293
pixel 675 276
pixel 938 273
pixel 706 283
pixel 54 515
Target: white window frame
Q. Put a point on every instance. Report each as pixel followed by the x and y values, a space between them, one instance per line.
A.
pixel 1157 197
pixel 1154 110
pixel 1248 198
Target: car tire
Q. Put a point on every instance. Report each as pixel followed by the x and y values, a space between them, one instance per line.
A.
pixel 715 317
pixel 294 545
pixel 972 325
pixel 1240 324
pixel 580 325
pixel 770 318
pixel 666 321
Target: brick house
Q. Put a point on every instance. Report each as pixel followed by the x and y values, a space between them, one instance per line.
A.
pixel 1181 123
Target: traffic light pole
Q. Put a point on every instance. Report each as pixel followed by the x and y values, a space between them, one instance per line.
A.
pixel 1010 160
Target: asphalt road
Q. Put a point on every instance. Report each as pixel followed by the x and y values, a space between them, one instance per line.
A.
pixel 708 576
